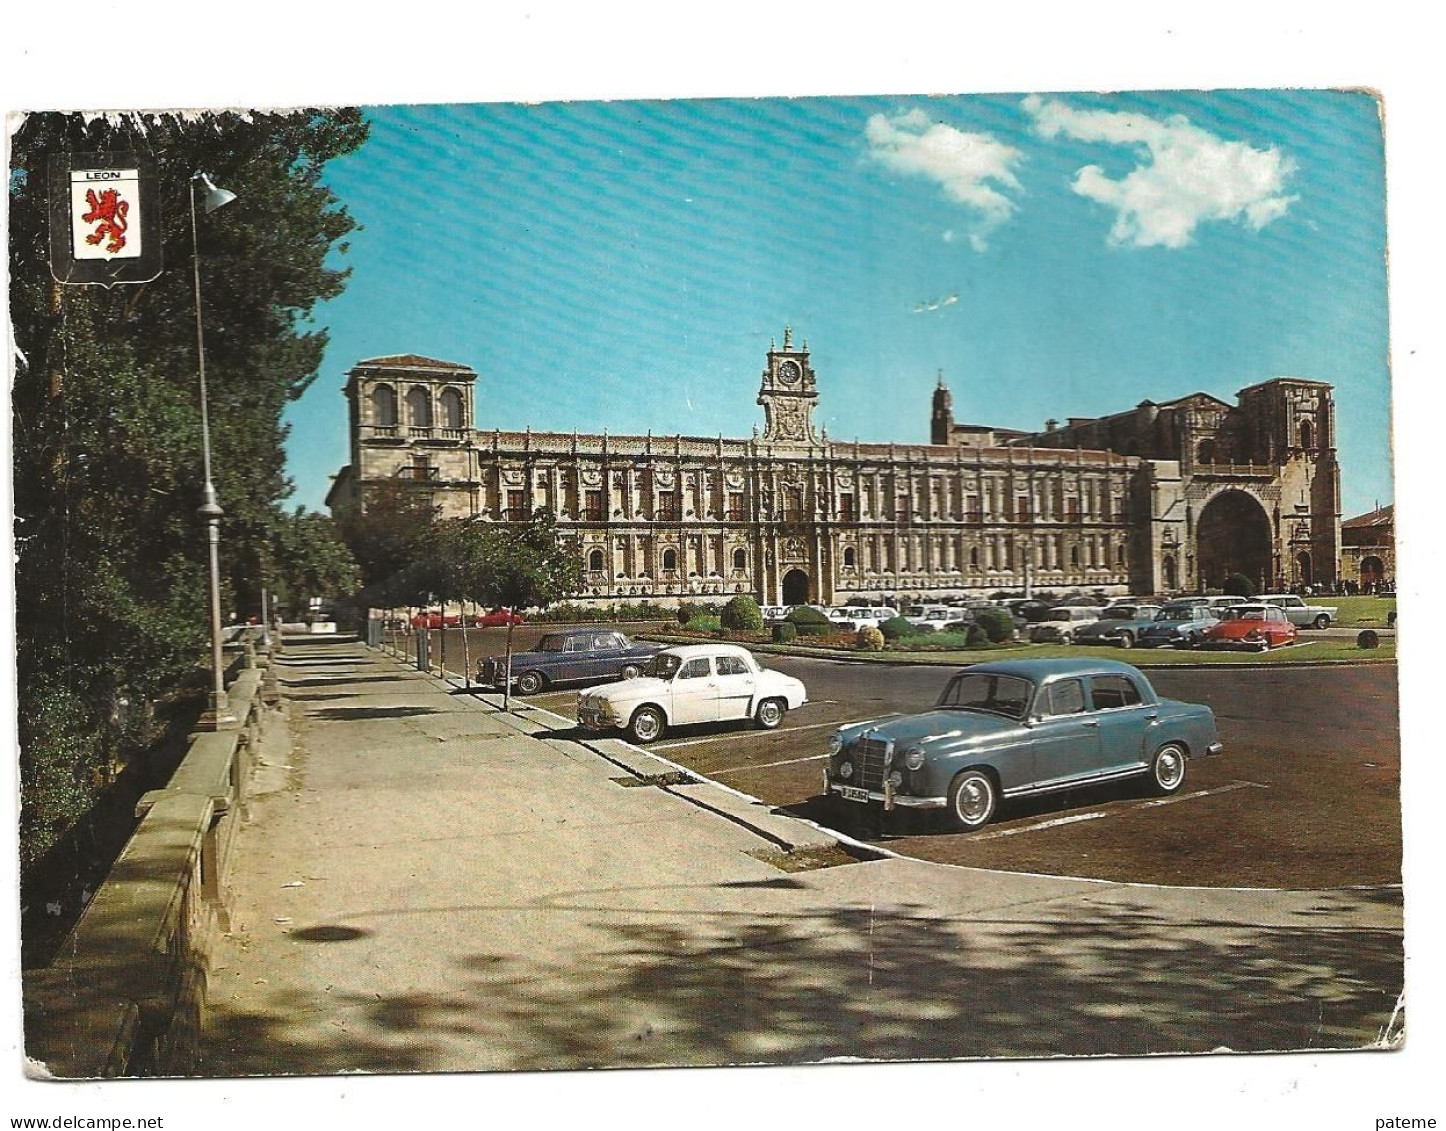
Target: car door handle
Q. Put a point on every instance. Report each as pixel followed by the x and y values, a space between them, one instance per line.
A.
pixel 1153 715
pixel 1089 723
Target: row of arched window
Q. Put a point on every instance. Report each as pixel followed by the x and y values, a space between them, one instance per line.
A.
pixel 596 564
pixel 450 409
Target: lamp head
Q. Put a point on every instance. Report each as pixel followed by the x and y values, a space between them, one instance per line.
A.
pixel 215 197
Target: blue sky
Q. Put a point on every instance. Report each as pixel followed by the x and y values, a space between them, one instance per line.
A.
pixel 624 265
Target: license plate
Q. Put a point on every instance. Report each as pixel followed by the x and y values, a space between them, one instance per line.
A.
pixel 853 793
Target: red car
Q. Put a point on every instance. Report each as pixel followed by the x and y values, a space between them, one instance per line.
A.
pixel 1251 626
pixel 497 618
pixel 433 618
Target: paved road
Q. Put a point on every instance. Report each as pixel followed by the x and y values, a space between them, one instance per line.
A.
pixel 1307 795
pixel 432 885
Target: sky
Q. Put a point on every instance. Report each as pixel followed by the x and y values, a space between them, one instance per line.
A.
pixel 625 265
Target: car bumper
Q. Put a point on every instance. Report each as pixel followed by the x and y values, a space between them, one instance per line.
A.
pixel 593 719
pixel 887 796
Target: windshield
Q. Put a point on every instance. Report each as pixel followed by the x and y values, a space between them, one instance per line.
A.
pixel 551 644
pixel 914 611
pixel 1242 612
pixel 664 665
pixel 1175 614
pixel 1006 695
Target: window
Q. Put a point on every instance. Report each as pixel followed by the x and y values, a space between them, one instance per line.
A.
pixel 451 402
pixel 514 505
pixel 595 561
pixel 419 408
pixel 1074 556
pixel 740 558
pixel 593 506
pixel 736 512
pixel 695 669
pixel 1111 692
pixel 670 558
pixel 846 512
pixel 1021 510
pixel 670 506
pixel 384 406
pixel 1066 697
pixel 1305 434
pixel 731 665
pixel 848 557
pixel 1072 509
pixel 606 641
pixel 1205 452
pixel 420 468
pixel 973 512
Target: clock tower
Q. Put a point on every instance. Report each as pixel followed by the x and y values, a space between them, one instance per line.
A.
pixel 788 394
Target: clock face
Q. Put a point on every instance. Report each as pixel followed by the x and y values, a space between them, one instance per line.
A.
pixel 788 372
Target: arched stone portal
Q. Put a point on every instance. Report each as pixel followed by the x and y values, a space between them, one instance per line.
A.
pixel 795 587
pixel 1233 536
pixel 1302 569
pixel 1373 572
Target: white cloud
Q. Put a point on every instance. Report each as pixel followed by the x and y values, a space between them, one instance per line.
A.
pixel 1187 176
pixel 970 168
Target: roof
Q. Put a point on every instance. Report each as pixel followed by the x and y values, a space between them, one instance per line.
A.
pixel 688 651
pixel 411 361
pixel 1381 516
pixel 1043 669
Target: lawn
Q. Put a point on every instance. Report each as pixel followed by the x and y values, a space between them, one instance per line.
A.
pixel 1359 612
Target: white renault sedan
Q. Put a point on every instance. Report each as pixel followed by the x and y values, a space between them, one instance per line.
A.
pixel 695 683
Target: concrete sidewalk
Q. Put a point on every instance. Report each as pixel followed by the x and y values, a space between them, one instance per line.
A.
pixel 431 885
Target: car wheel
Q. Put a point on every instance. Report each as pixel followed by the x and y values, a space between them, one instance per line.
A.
pixel 646 725
pixel 1322 621
pixel 770 713
pixel 1127 640
pixel 631 671
pixel 530 683
pixel 972 800
pixel 1167 769
pixel 1263 646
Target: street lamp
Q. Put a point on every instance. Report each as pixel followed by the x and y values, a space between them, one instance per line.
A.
pixel 218 715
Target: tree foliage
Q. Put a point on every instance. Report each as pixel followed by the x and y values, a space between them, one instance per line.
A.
pixel 111 574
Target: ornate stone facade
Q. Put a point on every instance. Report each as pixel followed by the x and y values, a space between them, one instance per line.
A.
pixel 790 516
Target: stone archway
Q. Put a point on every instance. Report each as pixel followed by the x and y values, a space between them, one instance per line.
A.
pixel 795 587
pixel 1303 572
pixel 1233 536
pixel 1373 571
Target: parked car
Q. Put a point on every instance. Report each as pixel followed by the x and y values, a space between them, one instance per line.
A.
pixel 434 618
pixel 774 614
pixel 936 618
pixel 1119 625
pixel 1180 624
pixel 1300 612
pixel 856 617
pixel 1015 729
pixel 573 656
pixel 497 618
pixel 1027 609
pixel 695 683
pixel 1257 626
pixel 1061 623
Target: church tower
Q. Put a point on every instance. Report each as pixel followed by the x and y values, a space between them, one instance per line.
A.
pixel 789 394
pixel 941 423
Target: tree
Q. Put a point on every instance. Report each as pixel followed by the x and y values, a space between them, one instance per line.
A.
pixel 309 559
pixel 391 533
pixel 521 566
pixel 111 579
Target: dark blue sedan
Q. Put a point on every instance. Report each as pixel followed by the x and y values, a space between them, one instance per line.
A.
pixel 578 655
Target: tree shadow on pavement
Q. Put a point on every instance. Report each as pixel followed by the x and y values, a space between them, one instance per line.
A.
pixel 1084 976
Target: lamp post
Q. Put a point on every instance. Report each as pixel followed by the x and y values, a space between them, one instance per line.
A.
pixel 218 714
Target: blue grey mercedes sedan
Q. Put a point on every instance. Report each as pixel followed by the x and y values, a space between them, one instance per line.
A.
pixel 1015 729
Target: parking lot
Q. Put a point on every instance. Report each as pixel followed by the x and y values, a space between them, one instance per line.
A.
pixel 1306 794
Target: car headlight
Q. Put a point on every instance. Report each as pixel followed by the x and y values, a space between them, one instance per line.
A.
pixel 835 743
pixel 845 770
pixel 914 758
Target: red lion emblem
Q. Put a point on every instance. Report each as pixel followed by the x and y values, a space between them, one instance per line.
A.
pixel 110 212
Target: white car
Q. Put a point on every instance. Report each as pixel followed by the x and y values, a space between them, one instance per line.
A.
pixel 932 617
pixel 694 683
pixel 1300 612
pixel 860 616
pixel 1059 624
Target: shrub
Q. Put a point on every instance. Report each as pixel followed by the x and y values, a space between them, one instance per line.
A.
pixel 1238 585
pixel 896 627
pixel 809 622
pixel 976 636
pixel 703 622
pixel 869 640
pixel 785 633
pixel 996 624
pixel 742 614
